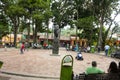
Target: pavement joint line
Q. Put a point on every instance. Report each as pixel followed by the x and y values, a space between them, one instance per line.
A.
pixel 26 75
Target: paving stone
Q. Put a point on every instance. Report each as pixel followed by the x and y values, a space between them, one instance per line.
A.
pixel 39 62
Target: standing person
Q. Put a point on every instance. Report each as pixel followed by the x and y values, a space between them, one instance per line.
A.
pixel 93 69
pixel 77 47
pixel 107 47
pixel 67 47
pixel 26 45
pixel 113 67
pixel 98 49
pixel 22 48
pixel 88 49
pixel 45 45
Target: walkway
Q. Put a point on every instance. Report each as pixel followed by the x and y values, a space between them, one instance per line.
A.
pixel 39 64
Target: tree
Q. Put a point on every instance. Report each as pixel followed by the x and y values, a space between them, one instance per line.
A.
pixel 116 29
pixel 13 12
pixel 48 15
pixel 37 12
pixel 102 13
pixel 87 30
pixel 4 29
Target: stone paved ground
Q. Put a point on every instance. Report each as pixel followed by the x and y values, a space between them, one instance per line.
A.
pixel 41 65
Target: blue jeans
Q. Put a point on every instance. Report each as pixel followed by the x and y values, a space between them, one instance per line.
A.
pixel 106 52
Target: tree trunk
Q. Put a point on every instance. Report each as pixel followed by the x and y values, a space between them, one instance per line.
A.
pixel 47 31
pixel 28 28
pixel 35 34
pixel 100 32
pixel 16 24
pixel 100 35
pixel 15 35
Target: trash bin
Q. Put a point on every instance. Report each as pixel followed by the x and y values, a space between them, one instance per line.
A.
pixel 66 68
pixel 1 63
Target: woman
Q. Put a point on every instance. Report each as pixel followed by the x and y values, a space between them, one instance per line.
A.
pixel 113 67
pixel 119 67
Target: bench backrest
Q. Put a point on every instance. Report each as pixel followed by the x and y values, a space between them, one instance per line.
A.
pixel 104 76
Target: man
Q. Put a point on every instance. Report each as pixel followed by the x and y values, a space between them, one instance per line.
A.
pixel 107 47
pixel 93 69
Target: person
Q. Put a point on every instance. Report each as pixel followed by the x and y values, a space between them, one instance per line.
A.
pixel 107 47
pixel 93 69
pixel 79 56
pixel 88 49
pixel 26 45
pixel 67 47
pixel 98 49
pixel 22 48
pixel 45 45
pixel 119 67
pixel 113 67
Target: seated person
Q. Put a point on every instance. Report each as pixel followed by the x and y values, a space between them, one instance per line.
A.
pixel 93 69
pixel 79 56
pixel 113 67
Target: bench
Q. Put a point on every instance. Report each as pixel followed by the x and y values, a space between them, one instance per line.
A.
pixel 104 76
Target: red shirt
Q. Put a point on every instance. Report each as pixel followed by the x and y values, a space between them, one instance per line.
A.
pixel 22 46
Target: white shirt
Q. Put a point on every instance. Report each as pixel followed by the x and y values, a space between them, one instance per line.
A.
pixel 80 55
pixel 107 47
pixel 88 48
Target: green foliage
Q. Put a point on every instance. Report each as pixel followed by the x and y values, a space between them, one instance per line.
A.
pixel 87 15
pixel 3 26
pixel 85 22
pixel 62 12
pixel 88 30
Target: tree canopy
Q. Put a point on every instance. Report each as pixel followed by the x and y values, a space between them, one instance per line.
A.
pixel 87 16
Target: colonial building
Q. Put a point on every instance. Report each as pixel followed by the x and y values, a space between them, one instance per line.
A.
pixel 42 37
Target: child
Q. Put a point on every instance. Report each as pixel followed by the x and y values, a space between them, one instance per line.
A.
pixel 22 48
pixel 79 56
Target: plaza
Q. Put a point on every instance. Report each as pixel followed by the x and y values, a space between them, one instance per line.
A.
pixel 39 64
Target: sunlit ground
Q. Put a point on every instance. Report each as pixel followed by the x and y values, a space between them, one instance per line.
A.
pixel 40 62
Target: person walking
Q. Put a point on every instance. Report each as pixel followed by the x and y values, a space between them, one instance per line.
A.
pixel 93 69
pixel 22 48
pixel 107 47
pixel 26 45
